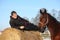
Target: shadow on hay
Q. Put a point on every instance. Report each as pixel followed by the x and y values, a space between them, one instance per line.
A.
pixel 15 34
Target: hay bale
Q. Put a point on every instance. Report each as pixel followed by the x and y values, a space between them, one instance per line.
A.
pixel 10 34
pixel 15 34
pixel 0 33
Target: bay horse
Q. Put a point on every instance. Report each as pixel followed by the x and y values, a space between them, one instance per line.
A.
pixel 52 24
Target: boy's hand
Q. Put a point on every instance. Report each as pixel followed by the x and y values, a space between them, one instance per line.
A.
pixel 21 27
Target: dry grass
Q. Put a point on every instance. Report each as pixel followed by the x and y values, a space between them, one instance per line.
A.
pixel 14 34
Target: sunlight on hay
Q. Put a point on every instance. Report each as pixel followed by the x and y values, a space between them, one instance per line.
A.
pixel 0 33
pixel 14 34
pixel 10 34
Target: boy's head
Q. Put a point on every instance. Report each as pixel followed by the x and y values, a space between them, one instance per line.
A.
pixel 14 14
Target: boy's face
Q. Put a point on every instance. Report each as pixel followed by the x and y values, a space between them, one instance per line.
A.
pixel 14 15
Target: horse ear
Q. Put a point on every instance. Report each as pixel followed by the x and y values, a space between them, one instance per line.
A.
pixel 40 11
pixel 43 10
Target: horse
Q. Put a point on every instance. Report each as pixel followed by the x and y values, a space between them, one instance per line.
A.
pixel 52 24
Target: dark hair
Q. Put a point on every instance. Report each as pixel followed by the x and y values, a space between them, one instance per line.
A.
pixel 13 12
pixel 45 11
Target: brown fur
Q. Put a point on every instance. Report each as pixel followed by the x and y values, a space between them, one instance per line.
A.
pixel 53 26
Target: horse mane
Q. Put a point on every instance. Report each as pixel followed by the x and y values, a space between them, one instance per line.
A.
pixel 53 18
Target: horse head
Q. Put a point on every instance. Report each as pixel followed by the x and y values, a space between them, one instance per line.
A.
pixel 43 18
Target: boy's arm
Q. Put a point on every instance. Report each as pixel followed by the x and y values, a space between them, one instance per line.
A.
pixel 13 25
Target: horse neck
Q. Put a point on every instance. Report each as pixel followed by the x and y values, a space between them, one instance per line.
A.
pixel 52 25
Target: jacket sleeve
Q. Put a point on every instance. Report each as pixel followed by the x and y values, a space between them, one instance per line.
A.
pixel 12 24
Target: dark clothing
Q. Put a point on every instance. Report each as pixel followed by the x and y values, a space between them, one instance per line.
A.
pixel 16 23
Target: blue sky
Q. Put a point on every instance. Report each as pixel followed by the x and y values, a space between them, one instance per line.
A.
pixel 24 8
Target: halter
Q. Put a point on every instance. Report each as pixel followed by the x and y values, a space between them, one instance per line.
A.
pixel 46 21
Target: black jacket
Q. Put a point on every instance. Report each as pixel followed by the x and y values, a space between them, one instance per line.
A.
pixel 16 23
